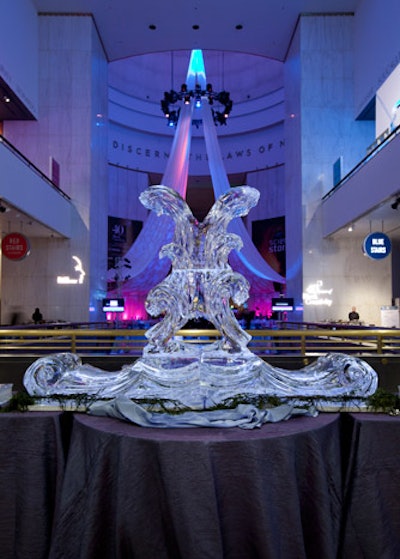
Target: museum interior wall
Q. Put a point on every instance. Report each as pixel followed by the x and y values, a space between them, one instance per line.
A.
pixel 327 129
pixel 73 95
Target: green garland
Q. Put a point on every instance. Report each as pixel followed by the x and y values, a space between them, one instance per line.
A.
pixel 381 401
pixel 19 402
pixel 384 401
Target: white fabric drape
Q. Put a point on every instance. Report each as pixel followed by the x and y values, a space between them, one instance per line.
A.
pixel 146 268
pixel 248 255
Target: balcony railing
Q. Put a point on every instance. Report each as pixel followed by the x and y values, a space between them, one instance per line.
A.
pixel 304 342
pixel 372 151
pixel 32 166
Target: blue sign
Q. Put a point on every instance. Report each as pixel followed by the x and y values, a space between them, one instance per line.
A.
pixel 377 246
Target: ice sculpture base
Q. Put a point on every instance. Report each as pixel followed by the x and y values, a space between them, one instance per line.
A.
pixel 202 376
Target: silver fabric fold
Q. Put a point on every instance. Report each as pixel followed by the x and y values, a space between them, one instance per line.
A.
pixel 245 416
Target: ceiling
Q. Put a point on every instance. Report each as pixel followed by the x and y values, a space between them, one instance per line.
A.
pixel 11 107
pixel 131 27
pixel 383 219
pixel 12 220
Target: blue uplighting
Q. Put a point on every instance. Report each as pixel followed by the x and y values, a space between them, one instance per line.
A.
pixel 196 70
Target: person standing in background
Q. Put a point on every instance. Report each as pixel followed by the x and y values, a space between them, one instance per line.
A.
pixel 353 315
pixel 37 316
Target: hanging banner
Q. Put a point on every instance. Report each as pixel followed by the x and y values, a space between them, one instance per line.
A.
pixel 269 237
pixel 15 246
pixel 121 235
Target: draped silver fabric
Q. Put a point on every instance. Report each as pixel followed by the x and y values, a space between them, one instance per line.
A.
pixel 244 416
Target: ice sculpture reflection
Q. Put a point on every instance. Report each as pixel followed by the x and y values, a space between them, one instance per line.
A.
pixel 201 284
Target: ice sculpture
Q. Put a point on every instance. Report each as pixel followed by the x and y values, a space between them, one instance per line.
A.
pixel 200 284
pixel 203 379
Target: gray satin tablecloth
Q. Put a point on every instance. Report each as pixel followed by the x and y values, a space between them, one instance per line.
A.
pixel 134 492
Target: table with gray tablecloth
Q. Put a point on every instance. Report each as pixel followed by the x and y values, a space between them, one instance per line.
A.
pixel 201 493
pixel 371 502
pixel 31 475
pixel 74 486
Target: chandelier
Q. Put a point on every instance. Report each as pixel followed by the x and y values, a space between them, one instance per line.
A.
pixel 171 110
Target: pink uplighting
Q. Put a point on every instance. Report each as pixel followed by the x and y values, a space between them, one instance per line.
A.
pixel 134 310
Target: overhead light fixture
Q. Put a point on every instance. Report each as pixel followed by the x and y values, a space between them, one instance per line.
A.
pixel 165 107
pixel 396 203
pixel 173 97
pixel 173 118
pixel 350 228
pixel 219 118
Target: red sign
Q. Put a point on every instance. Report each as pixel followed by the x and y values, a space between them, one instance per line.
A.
pixel 15 246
